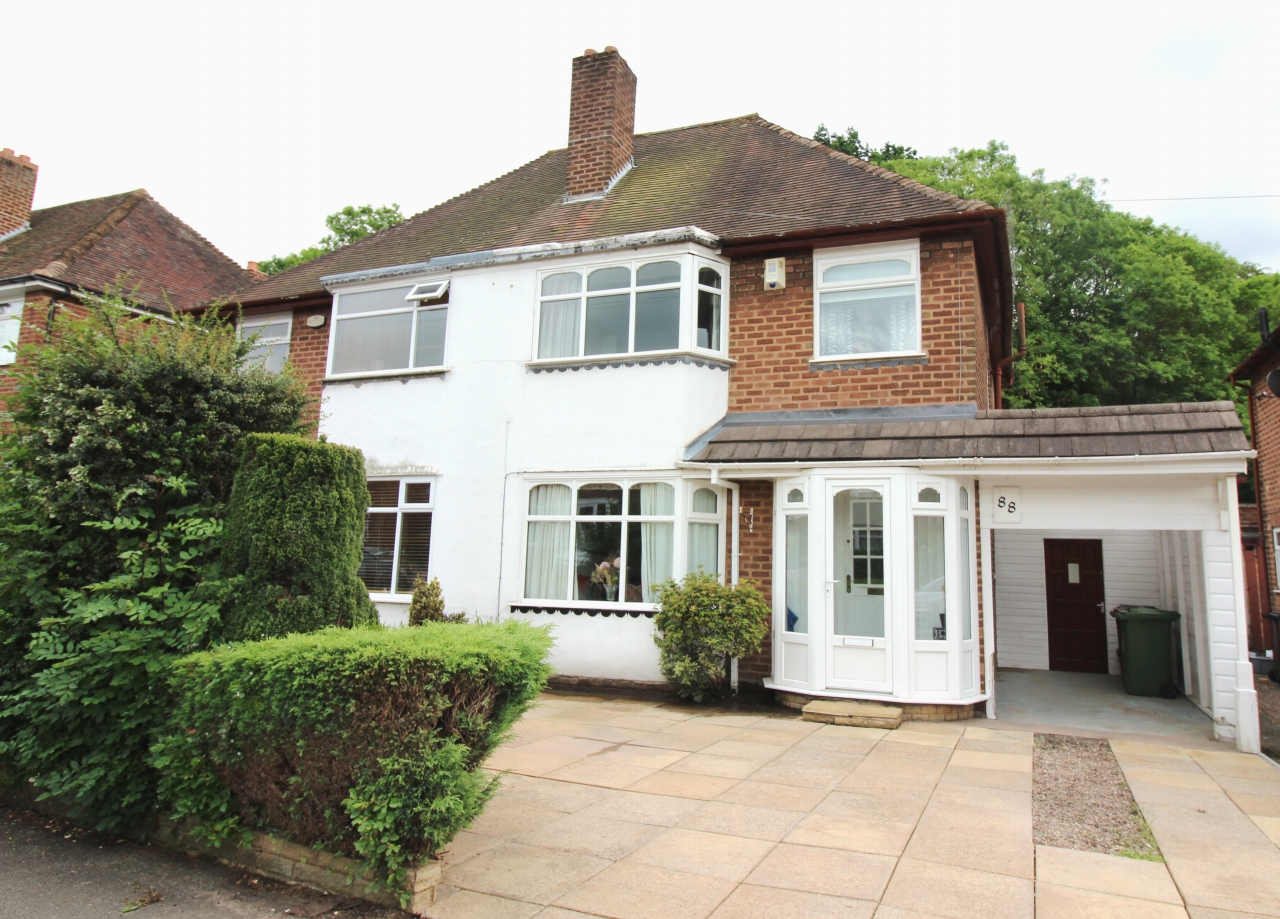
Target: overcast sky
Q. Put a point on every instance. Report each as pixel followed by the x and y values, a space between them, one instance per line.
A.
pixel 252 121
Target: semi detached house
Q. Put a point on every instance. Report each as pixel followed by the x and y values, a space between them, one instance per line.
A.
pixel 728 347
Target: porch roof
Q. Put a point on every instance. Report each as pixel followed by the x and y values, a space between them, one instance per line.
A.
pixel 960 431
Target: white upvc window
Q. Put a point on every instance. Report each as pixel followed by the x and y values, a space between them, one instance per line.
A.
pixel 10 326
pixel 389 329
pixel 272 346
pixel 867 302
pixel 613 540
pixel 639 306
pixel 397 534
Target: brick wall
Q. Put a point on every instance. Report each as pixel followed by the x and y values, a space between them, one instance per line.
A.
pixel 308 347
pixel 755 562
pixel 772 339
pixel 1266 439
pixel 35 323
pixel 602 117
pixel 17 190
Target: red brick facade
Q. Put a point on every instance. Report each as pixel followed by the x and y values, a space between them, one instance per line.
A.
pixel 771 338
pixel 755 563
pixel 17 190
pixel 1266 440
pixel 37 323
pixel 602 117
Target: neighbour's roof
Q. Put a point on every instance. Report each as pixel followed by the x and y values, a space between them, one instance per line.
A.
pixel 740 179
pixel 93 243
pixel 962 432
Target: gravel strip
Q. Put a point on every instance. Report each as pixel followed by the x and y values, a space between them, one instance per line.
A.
pixel 1269 716
pixel 1080 800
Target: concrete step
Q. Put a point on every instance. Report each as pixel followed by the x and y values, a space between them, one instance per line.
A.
pixel 857 714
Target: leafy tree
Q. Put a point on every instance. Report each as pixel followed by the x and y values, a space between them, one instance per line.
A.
pixel 345 227
pixel 113 484
pixel 852 144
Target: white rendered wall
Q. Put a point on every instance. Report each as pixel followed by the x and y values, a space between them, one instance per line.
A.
pixel 1131 574
pixel 600 646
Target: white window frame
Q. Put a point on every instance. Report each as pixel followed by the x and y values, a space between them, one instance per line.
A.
pixel 10 320
pixel 402 507
pixel 249 323
pixel 824 259
pixel 687 340
pixel 681 519
pixel 412 304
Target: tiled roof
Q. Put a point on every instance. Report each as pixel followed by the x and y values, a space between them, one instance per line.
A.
pixel 92 243
pixel 739 179
pixel 1114 430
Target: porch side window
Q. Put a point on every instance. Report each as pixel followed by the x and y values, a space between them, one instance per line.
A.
pixel 797 574
pixel 271 349
pixel 397 534
pixel 378 331
pixel 10 325
pixel 966 567
pixel 868 302
pixel 704 532
pixel 931 583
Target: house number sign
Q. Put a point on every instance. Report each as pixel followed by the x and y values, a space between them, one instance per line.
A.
pixel 1008 505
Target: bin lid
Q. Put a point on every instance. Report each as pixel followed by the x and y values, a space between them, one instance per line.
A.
pixel 1148 613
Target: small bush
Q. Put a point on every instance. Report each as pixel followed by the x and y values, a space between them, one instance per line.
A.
pixel 427 604
pixel 700 624
pixel 293 538
pixel 359 741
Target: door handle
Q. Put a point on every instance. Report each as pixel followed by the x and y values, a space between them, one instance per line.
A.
pixel 1102 606
pixel 848 583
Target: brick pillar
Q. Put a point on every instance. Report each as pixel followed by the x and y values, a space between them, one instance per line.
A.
pixel 755 560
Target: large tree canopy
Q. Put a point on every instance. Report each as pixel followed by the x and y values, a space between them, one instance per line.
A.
pixel 345 227
pixel 1120 310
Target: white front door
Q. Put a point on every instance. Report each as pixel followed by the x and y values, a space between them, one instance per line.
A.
pixel 857 601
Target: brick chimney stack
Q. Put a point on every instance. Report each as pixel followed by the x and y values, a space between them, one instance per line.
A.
pixel 602 122
pixel 17 191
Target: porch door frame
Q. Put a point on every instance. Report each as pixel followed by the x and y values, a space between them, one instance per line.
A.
pixel 1099 663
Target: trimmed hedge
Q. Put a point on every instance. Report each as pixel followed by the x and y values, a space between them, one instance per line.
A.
pixel 364 741
pixel 293 538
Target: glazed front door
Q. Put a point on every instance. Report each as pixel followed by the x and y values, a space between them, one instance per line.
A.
pixel 858 655
pixel 1076 601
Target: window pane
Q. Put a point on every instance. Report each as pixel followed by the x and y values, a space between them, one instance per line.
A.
pixel 600 500
pixel 964 498
pixel 379 544
pixel 708 320
pixel 652 499
pixel 930 496
pixel 272 355
pixel 547 500
pixel 650 547
pixel 428 349
pixel 598 561
pixel 384 493
pixel 966 574
pixel 708 277
pixel 868 321
pixel 417 493
pixel 415 549
pixel 931 585
pixel 859 563
pixel 555 285
pixel 10 326
pixel 795 496
pixel 270 330
pixel 608 319
pixel 609 279
pixel 704 547
pixel 658 320
pixel 797 574
pixel 658 273
pixel 376 343
pixel 558 329
pixel 704 501
pixel 371 300
pixel 867 271
pixel 546 564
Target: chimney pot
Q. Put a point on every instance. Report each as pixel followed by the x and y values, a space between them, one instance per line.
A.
pixel 589 52
pixel 602 117
pixel 609 48
pixel 17 191
pixel 252 266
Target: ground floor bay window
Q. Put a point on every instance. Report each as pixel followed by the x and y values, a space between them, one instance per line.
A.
pixel 878 587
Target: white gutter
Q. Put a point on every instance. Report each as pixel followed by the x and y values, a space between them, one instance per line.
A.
pixel 526 253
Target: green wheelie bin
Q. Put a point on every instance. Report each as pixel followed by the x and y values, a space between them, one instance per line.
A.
pixel 1146 650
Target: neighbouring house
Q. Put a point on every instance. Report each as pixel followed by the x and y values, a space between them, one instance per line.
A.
pixel 49 256
pixel 729 347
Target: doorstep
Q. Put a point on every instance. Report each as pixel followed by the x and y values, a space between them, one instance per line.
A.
pixel 856 714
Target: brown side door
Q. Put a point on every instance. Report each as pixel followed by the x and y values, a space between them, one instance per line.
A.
pixel 1076 601
pixel 1255 592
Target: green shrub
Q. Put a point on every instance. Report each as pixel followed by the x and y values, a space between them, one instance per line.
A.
pixel 293 540
pixel 700 624
pixel 360 741
pixel 113 483
pixel 427 604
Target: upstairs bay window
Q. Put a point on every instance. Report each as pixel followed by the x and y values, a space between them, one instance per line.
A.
pixel 271 350
pixel 390 330
pixel 868 302
pixel 632 308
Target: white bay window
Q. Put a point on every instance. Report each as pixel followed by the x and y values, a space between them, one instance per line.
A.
pixel 390 330
pixel 867 301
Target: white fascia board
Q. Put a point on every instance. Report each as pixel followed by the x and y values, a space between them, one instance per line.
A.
pixel 1227 463
pixel 526 253
pixel 21 288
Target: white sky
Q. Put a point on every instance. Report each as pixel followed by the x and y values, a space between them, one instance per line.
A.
pixel 252 121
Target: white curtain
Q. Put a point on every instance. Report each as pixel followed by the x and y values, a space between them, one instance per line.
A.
pixel 931 597
pixel 546 567
pixel 558 331
pixel 867 321
pixel 704 547
pixel 657 499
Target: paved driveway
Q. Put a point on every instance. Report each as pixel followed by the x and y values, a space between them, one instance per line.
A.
pixel 636 810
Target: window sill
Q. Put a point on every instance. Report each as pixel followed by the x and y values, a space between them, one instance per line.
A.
pixel 390 598
pixel 583 607
pixel 387 375
pixel 869 361
pixel 643 359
